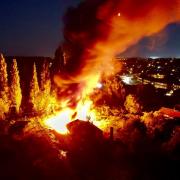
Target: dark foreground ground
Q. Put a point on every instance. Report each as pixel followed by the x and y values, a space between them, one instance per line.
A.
pixel 27 151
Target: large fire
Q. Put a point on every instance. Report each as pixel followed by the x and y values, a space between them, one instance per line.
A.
pixel 59 120
pixel 95 32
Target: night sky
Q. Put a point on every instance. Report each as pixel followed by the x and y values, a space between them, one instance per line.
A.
pixel 34 28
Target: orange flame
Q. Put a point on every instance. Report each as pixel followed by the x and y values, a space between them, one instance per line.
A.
pixel 120 24
pixel 59 120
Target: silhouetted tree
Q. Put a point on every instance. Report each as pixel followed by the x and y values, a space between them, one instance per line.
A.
pixel 58 63
pixel 45 82
pixel 34 90
pixel 114 92
pixel 132 105
pixel 45 86
pixel 15 93
pixel 4 89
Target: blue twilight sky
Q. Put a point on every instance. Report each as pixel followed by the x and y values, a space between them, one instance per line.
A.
pixel 34 28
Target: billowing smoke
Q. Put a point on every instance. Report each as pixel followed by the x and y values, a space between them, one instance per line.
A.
pixel 97 30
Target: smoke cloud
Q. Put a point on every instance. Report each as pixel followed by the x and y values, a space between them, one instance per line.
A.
pixel 97 30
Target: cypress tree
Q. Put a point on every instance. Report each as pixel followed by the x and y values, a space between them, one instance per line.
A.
pixel 15 93
pixel 4 89
pixel 34 90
